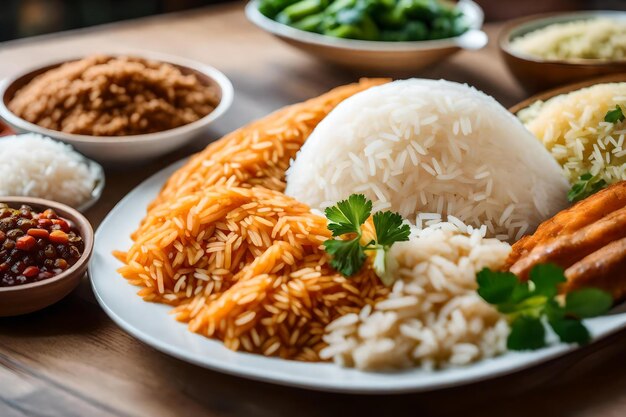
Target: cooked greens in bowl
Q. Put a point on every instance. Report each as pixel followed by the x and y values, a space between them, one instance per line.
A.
pixel 373 20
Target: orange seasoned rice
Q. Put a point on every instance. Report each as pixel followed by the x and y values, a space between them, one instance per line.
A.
pixel 259 153
pixel 239 260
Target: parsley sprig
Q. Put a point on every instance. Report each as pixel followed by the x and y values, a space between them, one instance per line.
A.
pixel 586 185
pixel 615 115
pixel 345 221
pixel 529 305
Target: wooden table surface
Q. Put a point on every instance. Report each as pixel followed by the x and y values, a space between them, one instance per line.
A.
pixel 72 360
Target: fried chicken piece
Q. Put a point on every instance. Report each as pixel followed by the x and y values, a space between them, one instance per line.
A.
pixel 588 240
pixel 566 249
pixel 604 269
pixel 572 219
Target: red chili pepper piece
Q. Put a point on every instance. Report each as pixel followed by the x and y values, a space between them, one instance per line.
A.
pixel 44 222
pixel 38 233
pixel 30 271
pixel 25 242
pixel 64 225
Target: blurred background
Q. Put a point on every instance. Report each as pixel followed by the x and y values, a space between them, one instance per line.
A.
pixel 23 18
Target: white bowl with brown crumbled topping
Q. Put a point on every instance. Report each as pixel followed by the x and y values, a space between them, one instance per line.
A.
pixel 167 130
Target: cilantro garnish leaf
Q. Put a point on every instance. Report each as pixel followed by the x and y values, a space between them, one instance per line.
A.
pixel 570 330
pixel 349 255
pixel 554 310
pixel 527 333
pixel 546 277
pixel 588 302
pixel 348 215
pixel 586 185
pixel 389 228
pixel 520 292
pixel 496 287
pixel 615 115
pixel 528 305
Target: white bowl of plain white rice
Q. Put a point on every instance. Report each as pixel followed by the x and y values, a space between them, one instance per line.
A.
pixel 431 149
pixel 37 166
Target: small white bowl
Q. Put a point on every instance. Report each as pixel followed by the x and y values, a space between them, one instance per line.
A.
pixel 377 57
pixel 123 149
pixel 536 73
pixel 95 168
pixel 96 193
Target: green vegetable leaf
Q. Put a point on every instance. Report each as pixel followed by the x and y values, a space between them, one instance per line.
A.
pixel 348 215
pixel 586 185
pixel 570 330
pixel 376 20
pixel 350 16
pixel 528 305
pixel 554 310
pixel 389 228
pixel 347 255
pixel 527 333
pixel 496 287
pixel 338 5
pixel 532 306
pixel 588 302
pixel 520 292
pixel 310 23
pixel 615 115
pixel 546 278
pixel 508 309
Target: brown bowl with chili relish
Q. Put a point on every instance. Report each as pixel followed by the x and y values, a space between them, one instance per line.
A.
pixel 45 248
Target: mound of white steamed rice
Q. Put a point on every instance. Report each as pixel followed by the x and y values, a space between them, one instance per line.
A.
pixel 36 166
pixel 428 149
pixel 433 317
pixel 572 127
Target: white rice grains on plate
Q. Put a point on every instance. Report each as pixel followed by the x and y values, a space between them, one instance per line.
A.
pixel 572 127
pixel 36 166
pixel 432 147
pixel 433 317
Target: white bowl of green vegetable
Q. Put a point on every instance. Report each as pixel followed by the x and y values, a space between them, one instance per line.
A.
pixel 377 36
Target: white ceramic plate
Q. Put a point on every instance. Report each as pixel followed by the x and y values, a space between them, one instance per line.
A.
pixel 152 324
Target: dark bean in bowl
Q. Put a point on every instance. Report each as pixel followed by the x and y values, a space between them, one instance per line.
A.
pixel 35 245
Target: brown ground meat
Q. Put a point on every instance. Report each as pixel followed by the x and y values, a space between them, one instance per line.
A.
pixel 114 96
